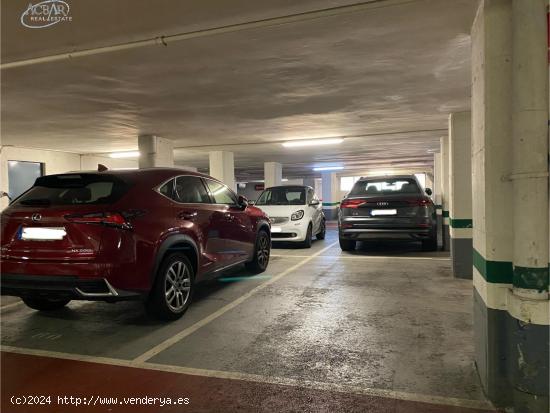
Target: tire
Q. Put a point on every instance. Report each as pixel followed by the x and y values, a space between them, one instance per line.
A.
pixel 321 235
pixel 262 251
pixel 173 289
pixel 45 304
pixel 306 243
pixel 347 244
pixel 429 244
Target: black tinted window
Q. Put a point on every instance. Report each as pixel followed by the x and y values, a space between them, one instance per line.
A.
pixel 220 193
pixel 74 189
pixel 386 186
pixel 190 190
pixel 168 189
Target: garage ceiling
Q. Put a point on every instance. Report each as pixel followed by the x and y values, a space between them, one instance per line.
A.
pixel 385 77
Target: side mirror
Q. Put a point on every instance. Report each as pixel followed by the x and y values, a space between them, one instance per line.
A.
pixel 252 202
pixel 5 194
pixel 242 202
pixel 428 191
pixel 315 202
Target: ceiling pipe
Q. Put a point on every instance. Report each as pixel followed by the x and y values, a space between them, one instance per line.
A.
pixel 165 40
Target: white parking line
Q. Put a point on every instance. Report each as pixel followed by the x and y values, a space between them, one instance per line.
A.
pixel 11 305
pixel 190 330
pixel 366 257
pixel 256 378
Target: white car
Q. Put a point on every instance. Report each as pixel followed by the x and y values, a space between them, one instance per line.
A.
pixel 295 212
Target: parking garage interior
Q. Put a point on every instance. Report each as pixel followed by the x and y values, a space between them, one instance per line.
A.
pixel 312 93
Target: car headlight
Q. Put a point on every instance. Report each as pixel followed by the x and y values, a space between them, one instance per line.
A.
pixel 296 216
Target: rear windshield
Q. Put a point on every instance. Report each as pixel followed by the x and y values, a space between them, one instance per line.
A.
pixel 387 186
pixel 282 196
pixel 74 189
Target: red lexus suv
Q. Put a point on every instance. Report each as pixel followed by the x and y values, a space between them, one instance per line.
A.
pixel 149 234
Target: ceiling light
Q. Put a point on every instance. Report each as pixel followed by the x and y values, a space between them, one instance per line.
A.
pixel 284 180
pixel 328 168
pixel 312 142
pixel 131 154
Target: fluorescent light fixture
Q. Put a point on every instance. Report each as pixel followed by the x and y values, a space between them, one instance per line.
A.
pixel 328 168
pixel 312 142
pixel 284 180
pixel 131 154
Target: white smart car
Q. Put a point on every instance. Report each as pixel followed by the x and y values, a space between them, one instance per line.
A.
pixel 295 212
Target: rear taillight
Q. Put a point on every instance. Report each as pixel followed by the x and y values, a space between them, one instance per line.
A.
pixel 112 219
pixel 419 201
pixel 352 203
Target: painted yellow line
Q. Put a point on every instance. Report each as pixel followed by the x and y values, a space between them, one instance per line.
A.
pixel 190 330
pixel 256 378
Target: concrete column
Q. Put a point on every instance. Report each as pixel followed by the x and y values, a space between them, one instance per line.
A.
pixel 460 193
pixel 510 202
pixel 331 194
pixel 527 303
pixel 222 167
pixel 273 174
pixel 444 143
pixel 436 196
pixel 155 151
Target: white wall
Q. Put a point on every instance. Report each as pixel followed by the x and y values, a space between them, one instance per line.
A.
pixel 54 163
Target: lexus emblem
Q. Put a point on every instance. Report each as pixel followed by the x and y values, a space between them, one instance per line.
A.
pixel 382 203
pixel 36 217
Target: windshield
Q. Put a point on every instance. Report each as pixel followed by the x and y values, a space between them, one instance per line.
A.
pixel 385 187
pixel 74 189
pixel 282 196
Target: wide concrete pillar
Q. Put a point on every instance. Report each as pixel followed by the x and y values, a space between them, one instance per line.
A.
pixel 510 202
pixel 460 193
pixel 222 167
pixel 331 194
pixel 273 174
pixel 445 201
pixel 155 151
pixel 436 196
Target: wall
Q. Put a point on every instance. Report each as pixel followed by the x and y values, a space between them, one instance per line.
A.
pixel 54 162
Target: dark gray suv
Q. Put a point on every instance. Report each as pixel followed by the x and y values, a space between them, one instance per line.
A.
pixel 389 207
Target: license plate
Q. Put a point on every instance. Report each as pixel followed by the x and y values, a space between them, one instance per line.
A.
pixel 276 229
pixel 378 212
pixel 43 233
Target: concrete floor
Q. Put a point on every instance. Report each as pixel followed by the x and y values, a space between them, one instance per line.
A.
pixel 383 329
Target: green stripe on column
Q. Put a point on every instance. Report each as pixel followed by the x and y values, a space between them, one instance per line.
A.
pixel 500 272
pixel 331 203
pixel 504 272
pixel 445 214
pixel 533 278
pixel 461 223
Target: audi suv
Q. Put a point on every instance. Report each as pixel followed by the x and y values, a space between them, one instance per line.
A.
pixel 389 207
pixel 150 235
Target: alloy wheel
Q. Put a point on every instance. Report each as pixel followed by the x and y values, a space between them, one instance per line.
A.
pixel 177 286
pixel 263 251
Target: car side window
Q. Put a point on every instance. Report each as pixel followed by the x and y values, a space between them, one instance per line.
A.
pixel 220 193
pixel 168 189
pixel 190 190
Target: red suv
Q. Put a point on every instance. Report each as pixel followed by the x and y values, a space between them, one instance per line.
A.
pixel 149 234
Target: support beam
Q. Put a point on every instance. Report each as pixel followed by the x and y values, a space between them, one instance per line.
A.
pixel 510 202
pixel 460 193
pixel 444 143
pixel 436 196
pixel 331 194
pixel 273 174
pixel 155 151
pixel 222 167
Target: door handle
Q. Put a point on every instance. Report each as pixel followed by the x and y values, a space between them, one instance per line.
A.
pixel 187 215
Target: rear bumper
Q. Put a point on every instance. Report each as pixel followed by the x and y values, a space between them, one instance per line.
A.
pixel 386 234
pixel 74 288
